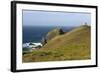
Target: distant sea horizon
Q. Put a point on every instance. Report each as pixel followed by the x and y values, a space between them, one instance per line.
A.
pixel 36 33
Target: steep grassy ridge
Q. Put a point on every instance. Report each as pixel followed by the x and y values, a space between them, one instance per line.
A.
pixel 73 45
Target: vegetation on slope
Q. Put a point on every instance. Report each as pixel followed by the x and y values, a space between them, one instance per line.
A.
pixel 50 35
pixel 73 45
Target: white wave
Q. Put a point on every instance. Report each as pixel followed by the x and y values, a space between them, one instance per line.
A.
pixel 31 45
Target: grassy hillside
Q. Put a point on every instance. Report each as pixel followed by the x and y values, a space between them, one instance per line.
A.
pixel 56 32
pixel 73 45
pixel 50 35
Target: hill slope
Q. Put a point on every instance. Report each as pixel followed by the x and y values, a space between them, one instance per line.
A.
pixel 74 45
pixel 51 34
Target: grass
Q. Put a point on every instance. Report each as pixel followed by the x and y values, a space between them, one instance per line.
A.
pixel 74 45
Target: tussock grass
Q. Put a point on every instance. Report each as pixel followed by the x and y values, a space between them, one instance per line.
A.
pixel 74 45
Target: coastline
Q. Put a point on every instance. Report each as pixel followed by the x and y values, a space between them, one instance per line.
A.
pixel 31 46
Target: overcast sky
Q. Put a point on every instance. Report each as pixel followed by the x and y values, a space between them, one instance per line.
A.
pixel 48 18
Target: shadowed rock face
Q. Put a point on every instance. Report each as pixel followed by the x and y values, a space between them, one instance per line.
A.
pixel 50 35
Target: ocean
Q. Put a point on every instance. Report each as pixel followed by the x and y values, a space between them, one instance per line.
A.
pixel 36 33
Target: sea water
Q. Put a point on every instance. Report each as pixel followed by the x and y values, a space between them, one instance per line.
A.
pixel 36 33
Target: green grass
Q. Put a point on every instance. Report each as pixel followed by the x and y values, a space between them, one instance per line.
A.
pixel 74 45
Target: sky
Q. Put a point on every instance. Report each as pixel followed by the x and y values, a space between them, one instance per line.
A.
pixel 51 18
